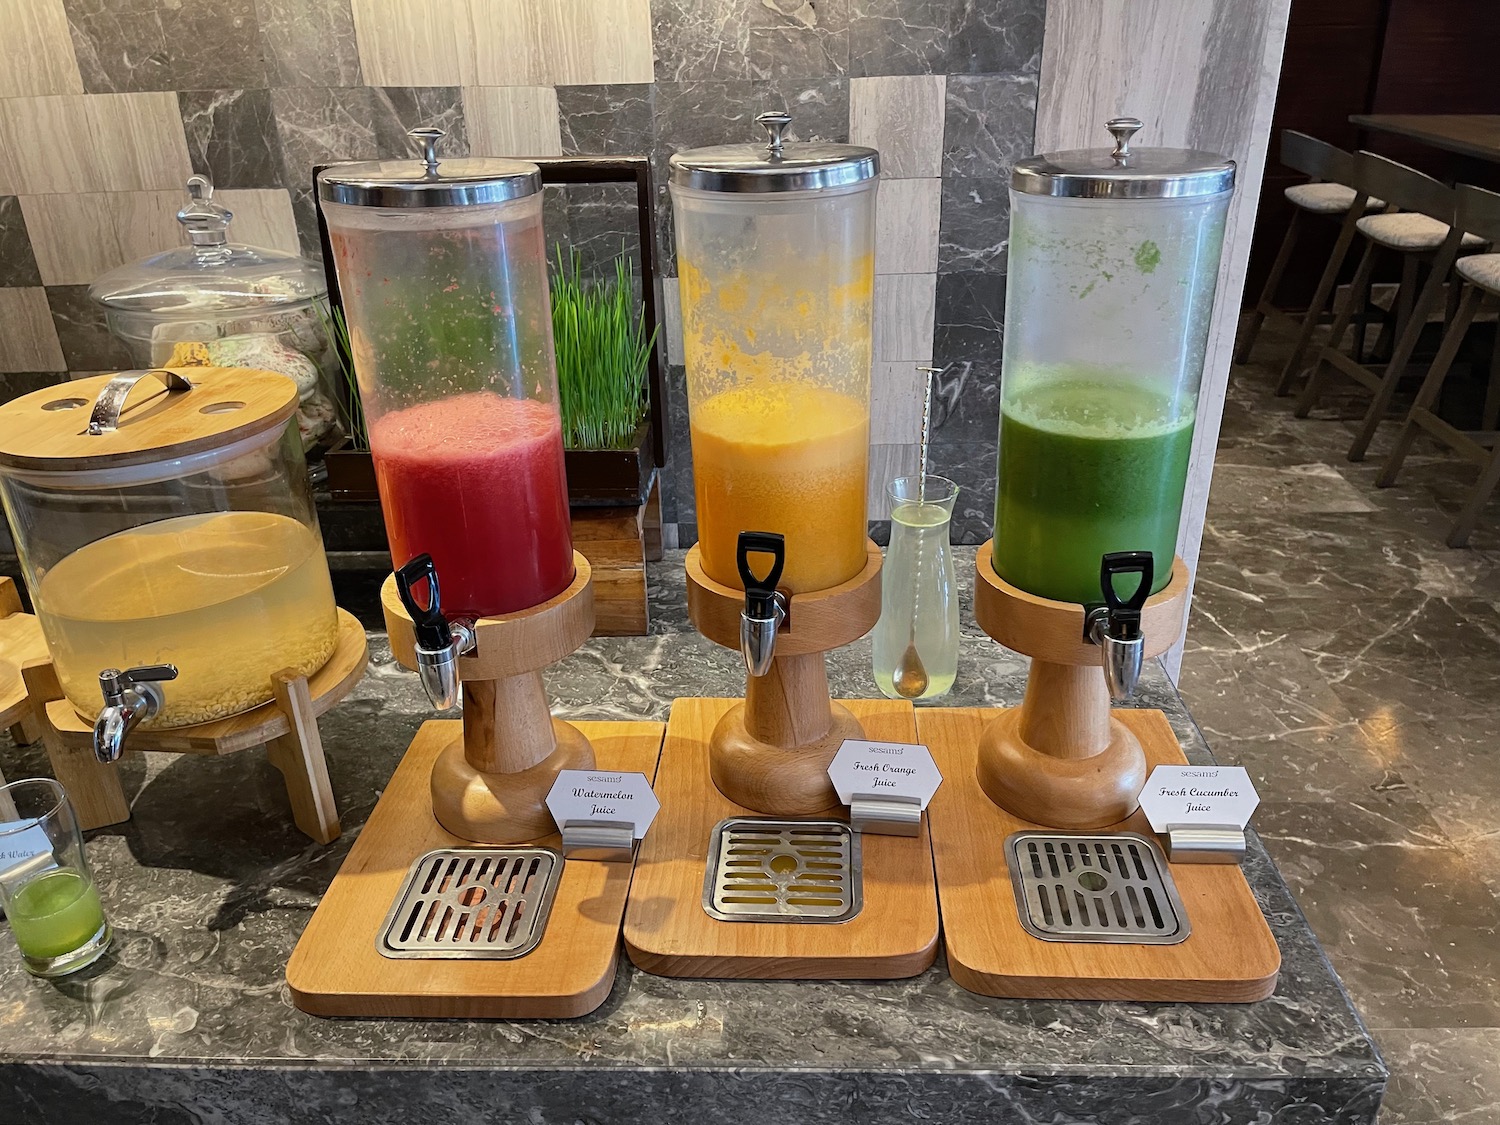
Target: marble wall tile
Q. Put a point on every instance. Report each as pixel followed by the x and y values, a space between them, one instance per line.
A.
pixel 678 471
pixel 103 142
pixel 966 402
pixel 671 317
pixel 36 51
pixel 422 43
pixel 990 123
pixel 85 339
pixel 888 460
pixel 896 395
pixel 997 37
pixel 231 136
pixel 606 120
pixel 906 226
pixel 320 126
pixel 513 120
pixel 974 232
pixel 970 313
pixel 309 42
pixel 400 109
pixel 132 45
pixel 14 384
pixel 600 225
pixel 899 36
pixel 904 304
pixel 28 339
pixel 17 262
pixel 741 39
pixel 902 117
pixel 970 465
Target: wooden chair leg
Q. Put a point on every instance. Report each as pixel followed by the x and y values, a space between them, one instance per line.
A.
pixel 1492 394
pixel 1406 344
pixel 93 787
pixel 1273 283
pixel 1322 295
pixel 1463 527
pixel 1346 309
pixel 298 754
pixel 1432 385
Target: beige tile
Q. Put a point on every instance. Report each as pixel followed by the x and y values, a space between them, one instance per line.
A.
pixel 671 319
pixel 28 338
pixel 903 118
pixel 78 237
pixel 905 304
pixel 36 51
pixel 896 393
pixel 512 121
pixel 887 462
pixel 92 142
pixel 581 42
pixel 906 226
pixel 415 42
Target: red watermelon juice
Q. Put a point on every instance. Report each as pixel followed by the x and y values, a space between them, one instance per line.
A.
pixel 477 482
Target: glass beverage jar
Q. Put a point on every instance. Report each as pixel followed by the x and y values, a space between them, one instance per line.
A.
pixel 443 273
pixel 776 264
pixel 1114 258
pixel 172 525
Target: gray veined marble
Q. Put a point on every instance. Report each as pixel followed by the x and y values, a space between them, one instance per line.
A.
pixel 309 42
pixel 974 224
pixel 85 339
pixel 989 124
pixel 17 262
pixel 610 119
pixel 231 136
pixel 899 37
pixel 970 317
pixel 741 39
pixel 132 45
pixel 209 886
pixel 997 36
pixel 966 402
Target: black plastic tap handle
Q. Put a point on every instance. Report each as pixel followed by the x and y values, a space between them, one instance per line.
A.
pixel 760 593
pixel 1125 613
pixel 428 623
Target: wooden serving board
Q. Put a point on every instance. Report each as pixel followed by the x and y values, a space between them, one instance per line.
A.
pixel 1229 957
pixel 336 971
pixel 667 930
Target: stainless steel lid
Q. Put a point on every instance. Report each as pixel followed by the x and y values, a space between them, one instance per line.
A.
pixel 1124 172
pixel 777 166
pixel 429 182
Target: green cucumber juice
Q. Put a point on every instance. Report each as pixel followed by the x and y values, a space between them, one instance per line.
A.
pixel 1087 465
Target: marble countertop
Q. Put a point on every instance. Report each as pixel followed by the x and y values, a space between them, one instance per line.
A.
pixel 209 887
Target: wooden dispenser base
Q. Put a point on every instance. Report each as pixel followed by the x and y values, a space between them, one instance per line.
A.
pixel 771 752
pixel 490 782
pixel 336 969
pixel 287 727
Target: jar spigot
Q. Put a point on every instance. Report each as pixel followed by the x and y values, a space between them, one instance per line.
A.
pixel 1115 626
pixel 130 698
pixel 765 606
pixel 439 642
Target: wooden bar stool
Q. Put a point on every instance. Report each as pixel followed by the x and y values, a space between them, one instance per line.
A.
pixel 1326 195
pixel 1478 280
pixel 1421 231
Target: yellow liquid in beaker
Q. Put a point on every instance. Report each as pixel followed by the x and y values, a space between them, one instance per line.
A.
pixel 789 458
pixel 230 598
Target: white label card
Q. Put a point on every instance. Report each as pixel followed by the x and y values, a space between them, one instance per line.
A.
pixel 1198 795
pixel 16 847
pixel 899 769
pixel 604 796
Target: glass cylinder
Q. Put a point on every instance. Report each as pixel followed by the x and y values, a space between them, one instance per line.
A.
pixel 1114 259
pixel 916 639
pixel 776 267
pixel 46 886
pixel 444 285
pixel 209 558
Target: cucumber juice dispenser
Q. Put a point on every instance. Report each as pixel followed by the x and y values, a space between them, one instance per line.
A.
pixel 1114 258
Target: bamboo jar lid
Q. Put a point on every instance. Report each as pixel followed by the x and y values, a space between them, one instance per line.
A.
pixel 141 417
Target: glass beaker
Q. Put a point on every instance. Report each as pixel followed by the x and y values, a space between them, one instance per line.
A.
pixel 916 639
pixel 45 883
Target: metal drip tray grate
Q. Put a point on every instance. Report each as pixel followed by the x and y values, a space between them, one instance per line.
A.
pixel 762 870
pixel 1109 888
pixel 487 904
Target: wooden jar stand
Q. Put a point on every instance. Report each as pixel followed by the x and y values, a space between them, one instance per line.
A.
pixel 1064 760
pixel 490 785
pixel 287 727
pixel 771 752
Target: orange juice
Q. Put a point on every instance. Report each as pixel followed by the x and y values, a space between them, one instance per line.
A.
pixel 786 457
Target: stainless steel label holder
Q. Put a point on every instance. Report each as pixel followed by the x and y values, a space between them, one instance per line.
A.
pixel 888 814
pixel 1204 843
pixel 605 841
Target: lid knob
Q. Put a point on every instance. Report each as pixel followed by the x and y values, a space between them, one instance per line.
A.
pixel 776 124
pixel 1122 129
pixel 428 139
pixel 207 222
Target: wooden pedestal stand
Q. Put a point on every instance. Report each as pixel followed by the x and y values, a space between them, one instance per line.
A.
pixel 490 782
pixel 21 643
pixel 287 727
pixel 1063 759
pixel 769 753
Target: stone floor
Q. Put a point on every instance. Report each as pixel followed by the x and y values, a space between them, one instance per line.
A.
pixel 1351 661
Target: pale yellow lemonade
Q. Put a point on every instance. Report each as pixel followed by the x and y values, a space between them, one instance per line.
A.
pixel 230 598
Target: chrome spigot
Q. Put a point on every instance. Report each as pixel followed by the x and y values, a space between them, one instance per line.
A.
pixel 1115 626
pixel 439 642
pixel 766 607
pixel 130 698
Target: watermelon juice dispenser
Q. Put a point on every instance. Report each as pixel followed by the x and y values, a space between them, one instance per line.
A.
pixel 1113 264
pixel 442 270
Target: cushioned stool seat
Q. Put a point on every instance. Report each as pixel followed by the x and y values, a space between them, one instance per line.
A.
pixel 1408 231
pixel 1482 270
pixel 1325 199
